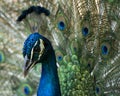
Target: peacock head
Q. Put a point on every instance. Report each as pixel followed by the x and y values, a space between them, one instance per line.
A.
pixel 35 50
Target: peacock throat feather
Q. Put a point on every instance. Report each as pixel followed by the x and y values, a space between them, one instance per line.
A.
pixel 49 81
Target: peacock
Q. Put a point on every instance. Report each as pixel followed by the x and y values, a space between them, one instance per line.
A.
pixel 38 49
pixel 78 38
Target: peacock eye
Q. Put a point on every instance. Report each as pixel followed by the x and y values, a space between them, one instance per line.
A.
pixel 2 57
pixel 26 90
pixel 104 50
pixel 61 25
pixel 59 58
pixel 28 56
pixel 37 49
pixel 97 90
pixel 85 31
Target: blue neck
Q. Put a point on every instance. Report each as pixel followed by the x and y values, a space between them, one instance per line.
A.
pixel 49 82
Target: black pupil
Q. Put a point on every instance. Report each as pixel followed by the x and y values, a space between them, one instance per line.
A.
pixel 37 49
pixel 62 24
pixel 105 49
pixel 86 29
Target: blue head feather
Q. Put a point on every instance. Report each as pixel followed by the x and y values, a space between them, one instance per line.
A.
pixel 29 43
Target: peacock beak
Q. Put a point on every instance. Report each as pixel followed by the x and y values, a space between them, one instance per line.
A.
pixel 29 64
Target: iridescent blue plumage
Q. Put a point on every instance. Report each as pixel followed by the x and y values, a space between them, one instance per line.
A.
pixel 2 57
pixel 104 50
pixel 61 25
pixel 49 82
pixel 85 31
pixel 26 90
pixel 29 43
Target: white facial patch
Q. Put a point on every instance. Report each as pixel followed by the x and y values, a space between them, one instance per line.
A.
pixel 32 50
pixel 42 48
